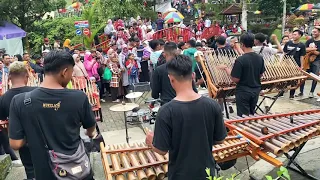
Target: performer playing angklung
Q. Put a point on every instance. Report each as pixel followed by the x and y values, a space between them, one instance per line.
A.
pixel 18 75
pixel 246 72
pixel 187 126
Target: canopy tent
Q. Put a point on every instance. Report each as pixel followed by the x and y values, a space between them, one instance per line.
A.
pixel 232 10
pixel 11 38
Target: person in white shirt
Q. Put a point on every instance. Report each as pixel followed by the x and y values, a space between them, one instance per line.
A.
pixel 207 23
pixel 262 48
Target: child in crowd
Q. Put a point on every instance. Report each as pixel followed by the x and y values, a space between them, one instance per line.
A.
pixel 133 69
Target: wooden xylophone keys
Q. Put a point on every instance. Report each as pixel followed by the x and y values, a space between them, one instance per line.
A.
pixel 138 161
pixel 135 162
pixel 279 133
pixel 282 73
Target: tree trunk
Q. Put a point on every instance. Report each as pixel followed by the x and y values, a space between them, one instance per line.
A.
pixel 244 18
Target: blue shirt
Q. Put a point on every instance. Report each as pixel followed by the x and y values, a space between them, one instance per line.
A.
pixel 160 24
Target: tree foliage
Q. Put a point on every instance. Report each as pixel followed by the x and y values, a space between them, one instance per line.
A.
pixel 62 28
pixel 275 7
pixel 96 22
pixel 24 12
pixel 271 7
pixel 122 8
pixel 60 4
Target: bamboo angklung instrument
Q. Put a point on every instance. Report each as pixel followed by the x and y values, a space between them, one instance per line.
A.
pixel 278 133
pixel 281 73
pixel 89 89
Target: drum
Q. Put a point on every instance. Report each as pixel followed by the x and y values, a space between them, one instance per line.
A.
pixel 143 115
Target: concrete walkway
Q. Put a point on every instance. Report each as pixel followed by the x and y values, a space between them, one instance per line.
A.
pixel 113 133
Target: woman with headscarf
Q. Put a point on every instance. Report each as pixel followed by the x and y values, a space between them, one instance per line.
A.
pixel 80 74
pixel 66 45
pixel 122 62
pixel 92 65
pixel 145 59
pixel 109 29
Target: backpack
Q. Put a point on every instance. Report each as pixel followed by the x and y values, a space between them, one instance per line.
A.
pixel 107 74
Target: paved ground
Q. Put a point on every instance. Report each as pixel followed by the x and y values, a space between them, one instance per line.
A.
pixel 113 133
pixel 115 120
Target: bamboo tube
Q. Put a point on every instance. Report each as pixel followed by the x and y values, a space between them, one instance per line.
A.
pixel 149 171
pixel 292 143
pixel 115 164
pixel 159 172
pixel 283 146
pixel 303 136
pixel 308 131
pixel 275 149
pixel 135 163
pixel 126 164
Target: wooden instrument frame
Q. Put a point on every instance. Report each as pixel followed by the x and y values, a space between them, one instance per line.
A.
pixel 243 147
pixel 216 92
pixel 261 140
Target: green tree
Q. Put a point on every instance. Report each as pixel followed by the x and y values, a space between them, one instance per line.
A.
pixel 122 8
pixel 24 12
pixel 91 13
pixel 61 28
pixel 271 7
pixel 60 4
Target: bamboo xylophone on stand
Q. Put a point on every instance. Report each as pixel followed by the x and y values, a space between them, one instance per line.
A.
pixel 281 73
pixel 255 136
pixel 278 133
pixel 138 161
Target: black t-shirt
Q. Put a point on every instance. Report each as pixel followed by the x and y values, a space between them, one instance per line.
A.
pixel 161 84
pixel 5 100
pixel 248 68
pixel 317 44
pixel 61 112
pixel 188 130
pixel 295 50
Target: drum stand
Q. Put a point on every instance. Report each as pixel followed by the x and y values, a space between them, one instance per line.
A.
pixel 126 126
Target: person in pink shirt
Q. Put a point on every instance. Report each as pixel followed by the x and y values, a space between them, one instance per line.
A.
pixel 91 64
pixel 149 35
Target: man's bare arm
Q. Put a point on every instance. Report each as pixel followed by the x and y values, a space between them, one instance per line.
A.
pixel 91 131
pixel 17 144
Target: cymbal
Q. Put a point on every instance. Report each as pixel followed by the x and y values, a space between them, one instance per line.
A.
pixel 123 107
pixel 134 95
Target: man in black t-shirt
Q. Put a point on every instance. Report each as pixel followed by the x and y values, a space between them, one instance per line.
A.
pixel 187 127
pixel 18 75
pixel 160 83
pixel 222 48
pixel 314 46
pixel 296 49
pixel 60 113
pixel 246 72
